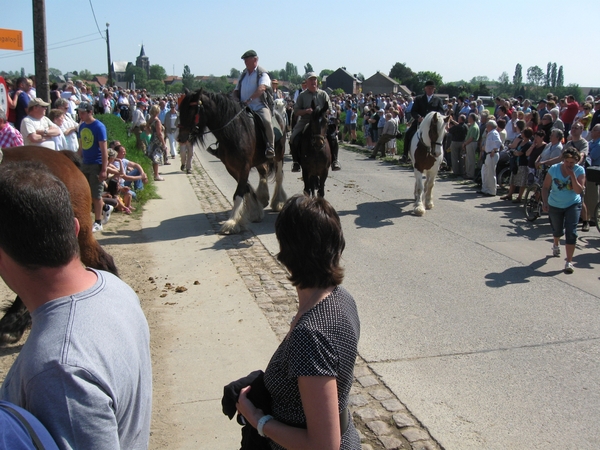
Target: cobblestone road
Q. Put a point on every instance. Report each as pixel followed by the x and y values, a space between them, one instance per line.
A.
pixel 381 418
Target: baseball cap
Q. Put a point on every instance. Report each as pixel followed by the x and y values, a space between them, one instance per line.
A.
pixel 310 75
pixel 37 102
pixel 85 106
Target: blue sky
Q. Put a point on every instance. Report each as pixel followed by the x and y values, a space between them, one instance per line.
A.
pixel 458 39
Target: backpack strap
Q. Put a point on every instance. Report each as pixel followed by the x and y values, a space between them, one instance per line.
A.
pixel 37 443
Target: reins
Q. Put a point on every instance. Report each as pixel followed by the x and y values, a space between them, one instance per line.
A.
pixel 199 106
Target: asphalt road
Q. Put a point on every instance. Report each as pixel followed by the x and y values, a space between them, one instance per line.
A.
pixel 465 315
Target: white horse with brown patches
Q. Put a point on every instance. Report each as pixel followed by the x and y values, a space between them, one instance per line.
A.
pixel 426 153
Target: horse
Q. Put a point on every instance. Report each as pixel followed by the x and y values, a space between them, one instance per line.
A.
pixel 65 166
pixel 241 146
pixel 314 153
pixel 426 153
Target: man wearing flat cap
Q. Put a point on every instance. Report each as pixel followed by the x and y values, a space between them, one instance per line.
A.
pixel 254 90
pixel 423 105
pixel 303 109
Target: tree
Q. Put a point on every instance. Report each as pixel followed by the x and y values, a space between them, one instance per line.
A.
pixel 85 75
pixel 401 72
pixel 137 74
pixel 417 82
pixel 187 78
pixel 290 71
pixel 535 76
pixel 548 79
pixel 157 72
pixel 155 87
pixel 518 77
pixel 560 78
pixel 503 79
pixel 234 73
pixel 479 79
pixel 308 68
pixel 553 76
pixel 54 74
pixel 325 73
pixel 175 88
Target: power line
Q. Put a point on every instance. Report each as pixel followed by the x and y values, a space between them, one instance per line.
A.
pixel 94 14
pixel 53 47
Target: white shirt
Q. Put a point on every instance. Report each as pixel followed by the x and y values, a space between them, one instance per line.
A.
pixel 30 125
pixel 249 86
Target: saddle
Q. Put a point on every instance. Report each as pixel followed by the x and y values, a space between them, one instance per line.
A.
pixel 259 126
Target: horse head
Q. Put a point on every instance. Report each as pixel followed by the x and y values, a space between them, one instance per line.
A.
pixel 437 124
pixel 318 126
pixel 192 119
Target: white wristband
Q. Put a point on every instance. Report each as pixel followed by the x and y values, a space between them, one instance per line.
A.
pixel 261 424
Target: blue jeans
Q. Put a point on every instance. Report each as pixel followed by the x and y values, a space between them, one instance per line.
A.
pixel 137 184
pixel 564 221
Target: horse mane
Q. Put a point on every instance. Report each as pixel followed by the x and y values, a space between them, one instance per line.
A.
pixel 217 112
pixel 426 124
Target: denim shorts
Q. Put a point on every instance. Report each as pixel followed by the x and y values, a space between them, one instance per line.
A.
pixel 564 221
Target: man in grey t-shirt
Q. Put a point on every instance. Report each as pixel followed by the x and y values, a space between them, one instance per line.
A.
pixel 85 370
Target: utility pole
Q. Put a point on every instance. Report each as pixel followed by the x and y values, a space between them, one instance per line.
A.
pixel 40 50
pixel 110 79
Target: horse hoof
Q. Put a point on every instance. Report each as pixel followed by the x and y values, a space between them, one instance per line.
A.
pixel 419 211
pixel 277 207
pixel 230 227
pixel 429 206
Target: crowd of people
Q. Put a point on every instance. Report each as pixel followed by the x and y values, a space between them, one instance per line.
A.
pixel 154 122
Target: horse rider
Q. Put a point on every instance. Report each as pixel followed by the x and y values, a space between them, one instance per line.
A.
pixel 422 105
pixel 303 109
pixel 254 90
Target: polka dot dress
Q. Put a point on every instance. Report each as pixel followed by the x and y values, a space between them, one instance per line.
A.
pixel 323 343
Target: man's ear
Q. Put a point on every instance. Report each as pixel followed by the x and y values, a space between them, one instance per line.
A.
pixel 77 226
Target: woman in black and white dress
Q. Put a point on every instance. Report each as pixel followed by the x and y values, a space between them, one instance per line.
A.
pixel 310 375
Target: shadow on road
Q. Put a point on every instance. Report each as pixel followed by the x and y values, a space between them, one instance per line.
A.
pixel 377 214
pixel 519 274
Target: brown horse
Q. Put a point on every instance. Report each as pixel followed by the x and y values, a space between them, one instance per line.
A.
pixel 64 165
pixel 241 146
pixel 314 152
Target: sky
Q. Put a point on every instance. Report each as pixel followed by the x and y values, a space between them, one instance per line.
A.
pixel 458 39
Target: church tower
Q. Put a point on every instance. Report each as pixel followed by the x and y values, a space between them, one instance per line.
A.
pixel 143 61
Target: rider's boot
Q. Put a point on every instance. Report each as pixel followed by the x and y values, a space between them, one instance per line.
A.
pixel 270 153
pixel 335 165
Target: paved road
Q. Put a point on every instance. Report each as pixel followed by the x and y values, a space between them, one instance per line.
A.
pixel 465 316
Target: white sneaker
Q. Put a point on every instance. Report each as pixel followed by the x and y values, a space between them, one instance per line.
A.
pixel 555 251
pixel 106 213
pixel 569 267
pixel 96 227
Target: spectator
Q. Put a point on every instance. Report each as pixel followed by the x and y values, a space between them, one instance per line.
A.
pixel 57 117
pixel 458 133
pixel 133 173
pixel 138 123
pixel 69 126
pixel 586 119
pixel 596 115
pixel 171 124
pixel 157 149
pixel 519 161
pixel 470 146
pixel 24 86
pixel 389 132
pixel 94 152
pixel 9 136
pixel 534 151
pixel 569 113
pixel 493 145
pixel 561 193
pixel 556 121
pixel 553 151
pixel 85 371
pixel 36 128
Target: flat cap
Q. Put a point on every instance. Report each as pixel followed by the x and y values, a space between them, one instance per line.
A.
pixel 249 54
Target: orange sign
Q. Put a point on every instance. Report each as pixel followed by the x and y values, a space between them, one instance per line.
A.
pixel 11 39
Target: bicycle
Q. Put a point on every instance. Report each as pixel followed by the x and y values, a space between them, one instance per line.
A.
pixel 592 174
pixel 533 197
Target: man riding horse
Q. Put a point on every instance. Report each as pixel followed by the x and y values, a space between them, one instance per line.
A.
pixel 423 105
pixel 253 90
pixel 303 110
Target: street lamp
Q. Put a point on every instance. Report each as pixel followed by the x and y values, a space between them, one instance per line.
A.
pixel 110 79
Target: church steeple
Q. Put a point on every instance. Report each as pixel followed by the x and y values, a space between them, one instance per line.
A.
pixel 143 61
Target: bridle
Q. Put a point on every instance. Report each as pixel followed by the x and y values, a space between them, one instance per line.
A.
pixel 199 107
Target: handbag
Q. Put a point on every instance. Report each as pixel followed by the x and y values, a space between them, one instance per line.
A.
pixel 592 174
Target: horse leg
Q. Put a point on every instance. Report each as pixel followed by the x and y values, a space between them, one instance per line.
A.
pixel 429 183
pixel 322 180
pixel 279 195
pixel 14 323
pixel 418 210
pixel 254 211
pixel 262 192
